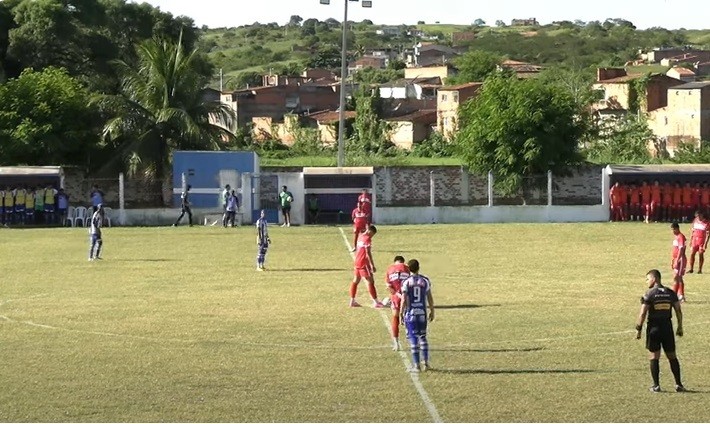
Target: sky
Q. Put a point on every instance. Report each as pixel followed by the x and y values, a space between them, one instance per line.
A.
pixel 668 14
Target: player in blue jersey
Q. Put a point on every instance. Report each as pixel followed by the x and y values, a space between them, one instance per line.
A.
pixel 416 298
pixel 262 240
pixel 96 242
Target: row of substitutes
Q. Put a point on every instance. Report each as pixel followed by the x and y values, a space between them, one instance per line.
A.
pixel 655 202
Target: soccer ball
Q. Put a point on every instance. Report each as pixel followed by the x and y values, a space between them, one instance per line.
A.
pixel 290 199
pixel 386 301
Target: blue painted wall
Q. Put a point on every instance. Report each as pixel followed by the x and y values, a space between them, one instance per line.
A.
pixel 202 171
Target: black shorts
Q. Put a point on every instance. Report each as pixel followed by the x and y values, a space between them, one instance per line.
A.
pixel 658 336
pixel 285 209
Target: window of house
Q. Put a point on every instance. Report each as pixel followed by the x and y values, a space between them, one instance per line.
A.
pixel 665 120
pixel 444 97
pixel 455 97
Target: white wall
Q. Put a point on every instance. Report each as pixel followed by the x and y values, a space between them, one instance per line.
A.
pixel 482 214
pixel 159 217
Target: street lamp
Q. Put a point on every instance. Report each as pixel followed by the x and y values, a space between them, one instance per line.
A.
pixel 343 76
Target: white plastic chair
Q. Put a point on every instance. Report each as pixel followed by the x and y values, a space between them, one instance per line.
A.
pixel 80 214
pixel 70 215
pixel 107 216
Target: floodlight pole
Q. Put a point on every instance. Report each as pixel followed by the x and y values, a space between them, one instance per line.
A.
pixel 343 76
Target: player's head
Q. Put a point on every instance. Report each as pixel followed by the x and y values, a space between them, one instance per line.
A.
pixel 676 228
pixel 653 277
pixel 100 208
pixel 364 191
pixel 372 230
pixel 234 192
pixel 616 184
pixel 188 187
pixel 399 259
pixel 413 265
pixel 699 214
pixel 263 213
pixel 284 188
pixel 687 183
pixel 644 183
pixel 227 187
pixel 655 182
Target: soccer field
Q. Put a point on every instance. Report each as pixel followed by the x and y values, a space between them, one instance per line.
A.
pixel 534 323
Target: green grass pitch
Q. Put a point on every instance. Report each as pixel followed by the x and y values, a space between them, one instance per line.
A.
pixel 534 323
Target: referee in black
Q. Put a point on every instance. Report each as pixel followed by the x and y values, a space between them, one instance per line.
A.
pixel 185 207
pixel 658 303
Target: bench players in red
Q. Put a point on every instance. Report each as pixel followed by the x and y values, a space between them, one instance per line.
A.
pixel 678 261
pixel 645 192
pixel 655 212
pixel 396 273
pixel 360 221
pixel 705 199
pixel 366 200
pixel 617 201
pixel 699 240
pixel 364 268
pixel 634 209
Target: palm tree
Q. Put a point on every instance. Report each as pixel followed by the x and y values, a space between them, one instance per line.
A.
pixel 161 108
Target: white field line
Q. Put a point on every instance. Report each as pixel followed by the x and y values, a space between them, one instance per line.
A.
pixel 428 403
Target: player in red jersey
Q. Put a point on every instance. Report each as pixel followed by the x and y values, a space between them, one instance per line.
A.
pixel 634 209
pixel 645 192
pixel 617 200
pixel 699 240
pixel 667 201
pixel 677 207
pixel 396 273
pixel 655 211
pixel 360 220
pixel 687 207
pixel 366 200
pixel 705 199
pixel 678 261
pixel 364 268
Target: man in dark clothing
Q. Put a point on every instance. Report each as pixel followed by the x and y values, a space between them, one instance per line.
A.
pixel 185 207
pixel 658 304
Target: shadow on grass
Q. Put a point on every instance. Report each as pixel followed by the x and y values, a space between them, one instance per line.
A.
pixel 404 252
pixel 309 270
pixel 144 260
pixel 521 371
pixel 468 349
pixel 466 306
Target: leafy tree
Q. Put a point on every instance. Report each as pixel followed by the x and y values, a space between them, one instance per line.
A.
pixel 479 22
pixel 690 153
pixel 162 109
pixel 370 131
pixel 328 57
pixel 474 66
pixel 421 23
pixel 45 120
pixel 517 129
pixel 369 76
pixel 500 24
pixel 623 141
pixel 295 20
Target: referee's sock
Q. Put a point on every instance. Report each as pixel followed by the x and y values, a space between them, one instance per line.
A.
pixel 675 369
pixel 656 371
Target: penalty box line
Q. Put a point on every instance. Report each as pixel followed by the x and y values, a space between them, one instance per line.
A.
pixel 426 399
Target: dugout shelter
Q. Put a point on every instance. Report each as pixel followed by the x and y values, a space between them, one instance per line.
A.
pixel 336 190
pixel 31 176
pixel 675 173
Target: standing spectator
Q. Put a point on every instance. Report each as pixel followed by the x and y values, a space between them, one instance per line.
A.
pixel 30 206
pixel 231 208
pixel 62 206
pixel 50 210
pixel 645 191
pixel 20 196
pixel 262 240
pixel 677 207
pixel 226 193
pixel 655 201
pixel 96 196
pixel 658 304
pixel 615 201
pixel 366 201
pixel 416 298
pixel 286 198
pixel 313 209
pixel 39 205
pixel 9 206
pixel 700 229
pixel 2 207
pixel 678 261
pixel 185 207
pixel 687 207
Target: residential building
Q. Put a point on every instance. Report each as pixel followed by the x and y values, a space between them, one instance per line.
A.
pixel 449 100
pixel 462 37
pixel 681 73
pixel 686 118
pixel 268 128
pixel 327 124
pixel 660 53
pixel 427 54
pixel 521 69
pixel 415 88
pixel 389 31
pixel 407 130
pixel 619 95
pixel 685 58
pixel 702 69
pixel 434 71
pixel 368 61
pixel 413 32
pixel 525 22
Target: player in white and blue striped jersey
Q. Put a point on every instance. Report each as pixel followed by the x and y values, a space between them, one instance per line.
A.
pixel 262 240
pixel 416 299
pixel 95 239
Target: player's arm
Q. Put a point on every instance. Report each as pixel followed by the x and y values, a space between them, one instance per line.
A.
pixel 679 317
pixel 430 302
pixel 707 237
pixel 681 253
pixel 370 260
pixel 404 307
pixel 641 318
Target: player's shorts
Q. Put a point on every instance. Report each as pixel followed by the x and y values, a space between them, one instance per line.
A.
pixel 660 336
pixel 30 211
pixel 396 302
pixel 285 209
pixel 679 270
pixel 359 228
pixel 365 272
pixel 415 325
pixel 697 243
pixel 2 210
pixel 8 210
pixel 49 208
pixel 677 205
pixel 94 238
pixel 19 208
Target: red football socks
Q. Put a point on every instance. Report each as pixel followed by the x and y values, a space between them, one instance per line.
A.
pixel 373 291
pixel 353 290
pixel 395 326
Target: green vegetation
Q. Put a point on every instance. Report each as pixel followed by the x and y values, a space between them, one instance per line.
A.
pixel 193 334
